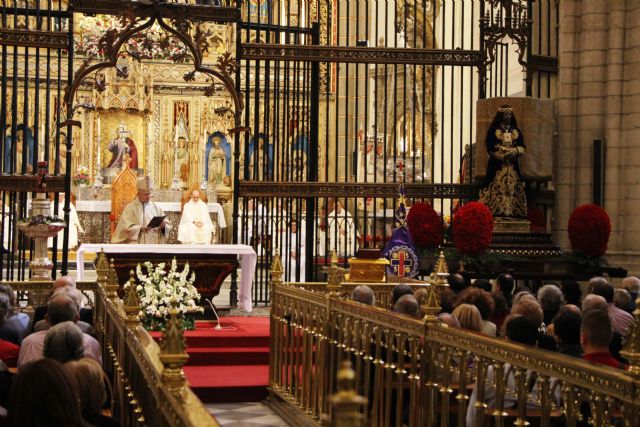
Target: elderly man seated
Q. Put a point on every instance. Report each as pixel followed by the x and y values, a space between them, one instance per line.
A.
pixel 363 294
pixel 65 285
pixel 61 309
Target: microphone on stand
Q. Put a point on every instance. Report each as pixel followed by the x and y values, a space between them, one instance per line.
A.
pixel 210 301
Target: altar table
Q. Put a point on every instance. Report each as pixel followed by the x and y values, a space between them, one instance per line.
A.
pixel 199 256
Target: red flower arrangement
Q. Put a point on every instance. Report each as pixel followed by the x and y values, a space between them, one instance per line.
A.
pixel 589 230
pixel 472 229
pixel 424 226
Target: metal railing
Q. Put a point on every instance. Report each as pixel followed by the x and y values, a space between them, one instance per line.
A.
pixel 422 373
pixel 148 382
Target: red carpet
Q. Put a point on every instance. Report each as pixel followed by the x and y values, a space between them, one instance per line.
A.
pixel 228 365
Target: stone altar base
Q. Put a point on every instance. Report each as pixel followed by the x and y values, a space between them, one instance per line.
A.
pixel 511 225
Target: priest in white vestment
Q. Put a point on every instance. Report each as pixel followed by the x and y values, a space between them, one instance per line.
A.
pixel 74 223
pixel 343 234
pixel 293 252
pixel 132 225
pixel 195 225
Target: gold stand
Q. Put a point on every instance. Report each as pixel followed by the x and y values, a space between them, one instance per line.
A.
pixel 511 225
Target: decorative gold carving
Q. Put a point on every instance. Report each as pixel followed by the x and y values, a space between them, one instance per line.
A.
pixel 173 355
pixel 34 38
pixel 277 271
pixel 367 270
pixel 511 225
pixel 132 303
pixel 26 183
pixel 347 407
pixel 441 272
pixel 631 350
pixel 112 284
pixel 431 306
pixel 335 274
pixel 102 268
pixel 360 55
pixel 329 189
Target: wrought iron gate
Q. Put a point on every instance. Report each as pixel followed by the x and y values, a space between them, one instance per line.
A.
pixel 346 100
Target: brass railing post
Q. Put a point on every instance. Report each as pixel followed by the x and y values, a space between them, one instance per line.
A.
pixel 173 355
pixel 102 268
pixel 335 275
pixel 347 408
pixel 132 303
pixel 111 286
pixel 277 273
pixel 631 352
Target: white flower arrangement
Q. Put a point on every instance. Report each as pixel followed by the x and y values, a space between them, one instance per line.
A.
pixel 160 290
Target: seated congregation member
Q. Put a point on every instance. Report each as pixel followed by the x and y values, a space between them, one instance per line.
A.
pixel 525 304
pixel 61 309
pixel 94 389
pixel 566 329
pixel 505 283
pixel 550 298
pixel 64 342
pixel 195 224
pixel 8 332
pixel 85 313
pixel 363 294
pixel 632 285
pixel 469 317
pixel 9 353
pixel 521 330
pixel 398 291
pixel 483 284
pixel 622 300
pixel 408 306
pixel 16 318
pixel 620 319
pixel 485 304
pixel 449 320
pixel 571 292
pixel 44 394
pixel 457 283
pixel 75 296
pixel 596 302
pixel 447 300
pixel 595 337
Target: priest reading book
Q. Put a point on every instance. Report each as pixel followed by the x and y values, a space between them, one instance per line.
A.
pixel 131 226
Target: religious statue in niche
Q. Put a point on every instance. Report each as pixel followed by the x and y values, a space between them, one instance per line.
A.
pixel 503 189
pixel 182 154
pixel 120 146
pixel 258 153
pixel 218 159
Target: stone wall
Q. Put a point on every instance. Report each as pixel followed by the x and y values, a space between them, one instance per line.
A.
pixel 599 98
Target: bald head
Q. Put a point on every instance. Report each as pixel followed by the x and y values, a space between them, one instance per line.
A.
pixel 594 302
pixel 596 282
pixel 63 281
pixel 631 284
pixel 573 308
pixel 364 295
pixel 407 305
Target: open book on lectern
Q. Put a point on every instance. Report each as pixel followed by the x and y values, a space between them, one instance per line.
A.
pixel 156 221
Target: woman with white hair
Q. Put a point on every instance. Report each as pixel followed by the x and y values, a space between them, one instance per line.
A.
pixel 64 342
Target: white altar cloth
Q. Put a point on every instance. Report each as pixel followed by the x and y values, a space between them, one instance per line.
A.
pixel 248 260
pixel 105 206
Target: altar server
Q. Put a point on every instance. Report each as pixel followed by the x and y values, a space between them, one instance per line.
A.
pixel 195 225
pixel 132 226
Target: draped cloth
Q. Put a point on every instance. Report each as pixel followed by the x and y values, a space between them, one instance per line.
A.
pixel 188 232
pixel 134 218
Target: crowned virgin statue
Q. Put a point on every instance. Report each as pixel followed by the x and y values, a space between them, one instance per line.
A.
pixel 503 189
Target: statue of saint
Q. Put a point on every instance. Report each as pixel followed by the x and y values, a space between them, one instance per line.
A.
pixel 183 160
pixel 120 145
pixel 216 162
pixel 503 190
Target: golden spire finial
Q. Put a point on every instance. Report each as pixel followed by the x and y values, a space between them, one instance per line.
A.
pixel 431 306
pixel 173 355
pixel 441 271
pixel 132 302
pixel 111 286
pixel 335 274
pixel 277 272
pixel 347 407
pixel 102 267
pixel 631 350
